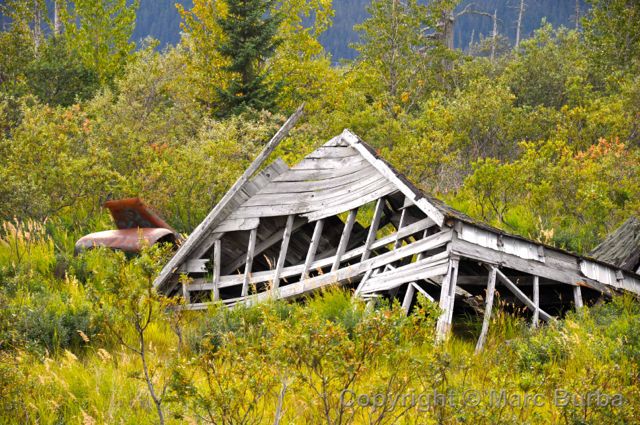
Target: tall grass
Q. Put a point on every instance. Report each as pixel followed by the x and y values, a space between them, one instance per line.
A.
pixel 58 363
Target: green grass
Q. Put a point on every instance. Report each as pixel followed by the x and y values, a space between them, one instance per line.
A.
pixel 61 364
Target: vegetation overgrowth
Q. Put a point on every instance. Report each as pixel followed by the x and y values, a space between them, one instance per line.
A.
pixel 542 140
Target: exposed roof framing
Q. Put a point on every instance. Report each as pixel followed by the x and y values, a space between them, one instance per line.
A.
pixel 289 231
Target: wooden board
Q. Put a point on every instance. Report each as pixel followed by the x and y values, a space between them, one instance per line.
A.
pixel 315 210
pixel 321 194
pixel 313 185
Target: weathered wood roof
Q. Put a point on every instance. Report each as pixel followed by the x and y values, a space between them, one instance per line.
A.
pixel 622 247
pixel 341 176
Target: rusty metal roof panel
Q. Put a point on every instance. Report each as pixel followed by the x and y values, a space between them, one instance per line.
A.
pixel 132 213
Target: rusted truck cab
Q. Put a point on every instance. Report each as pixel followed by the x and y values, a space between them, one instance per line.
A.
pixel 137 226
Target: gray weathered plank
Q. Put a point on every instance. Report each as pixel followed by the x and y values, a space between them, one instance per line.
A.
pixel 423 292
pixel 231 225
pixel 249 263
pixel 344 239
pixel 577 297
pixel 313 185
pixel 447 299
pixel 532 267
pixel 408 297
pixel 313 247
pixel 333 152
pixel 320 207
pixel 536 302
pixel 320 195
pixel 329 163
pixel 373 228
pixel 346 205
pixel 288 228
pixel 488 308
pixel 304 175
pixel 217 254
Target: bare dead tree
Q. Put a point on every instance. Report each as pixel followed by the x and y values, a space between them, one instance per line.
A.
pixel 37 28
pixel 494 34
pixel 494 31
pixel 519 23
pixel 577 14
pixel 473 35
pixel 56 17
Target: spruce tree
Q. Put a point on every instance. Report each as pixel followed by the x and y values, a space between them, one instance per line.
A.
pixel 249 39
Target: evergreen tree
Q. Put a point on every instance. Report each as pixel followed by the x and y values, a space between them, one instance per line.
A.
pixel 248 40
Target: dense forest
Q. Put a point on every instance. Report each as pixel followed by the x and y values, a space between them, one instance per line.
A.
pixel 540 138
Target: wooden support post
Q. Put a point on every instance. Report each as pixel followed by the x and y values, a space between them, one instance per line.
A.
pixel 248 264
pixel 536 301
pixel 313 247
pixel 185 292
pixel 373 229
pixel 488 307
pixel 217 253
pixel 577 297
pixel 286 236
pixel 344 239
pixel 408 297
pixel 447 298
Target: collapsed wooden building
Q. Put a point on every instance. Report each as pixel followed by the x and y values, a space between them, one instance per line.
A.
pixel 285 232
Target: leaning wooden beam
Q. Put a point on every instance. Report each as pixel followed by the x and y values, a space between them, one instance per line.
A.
pixel 577 297
pixel 423 292
pixel 286 236
pixel 488 307
pixel 447 298
pixel 408 297
pixel 344 239
pixel 520 295
pixel 403 219
pixel 373 228
pixel 536 302
pixel 363 282
pixel 248 264
pixel 313 247
pixel 217 254
pixel 193 240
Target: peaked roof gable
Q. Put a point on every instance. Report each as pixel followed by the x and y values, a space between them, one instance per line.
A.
pixel 342 174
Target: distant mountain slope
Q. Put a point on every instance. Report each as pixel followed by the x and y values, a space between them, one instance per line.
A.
pixel 160 19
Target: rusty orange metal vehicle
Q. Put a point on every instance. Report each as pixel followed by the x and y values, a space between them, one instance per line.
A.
pixel 137 226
